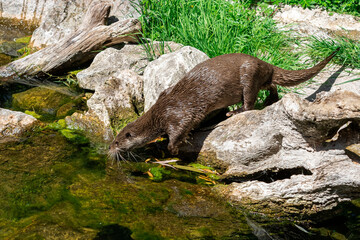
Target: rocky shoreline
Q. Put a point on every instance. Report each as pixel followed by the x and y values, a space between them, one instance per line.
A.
pixel 280 154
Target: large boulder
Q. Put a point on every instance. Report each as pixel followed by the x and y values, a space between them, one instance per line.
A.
pixel 13 124
pixel 114 104
pixel 290 157
pixel 167 70
pixel 112 61
pixel 58 19
pixel 30 10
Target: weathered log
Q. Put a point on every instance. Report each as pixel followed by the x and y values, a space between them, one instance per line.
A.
pixel 80 47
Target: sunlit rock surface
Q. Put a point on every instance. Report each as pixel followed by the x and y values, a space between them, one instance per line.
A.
pixel 13 124
pixel 318 22
pixel 111 61
pixel 167 70
pixel 291 154
pixel 58 19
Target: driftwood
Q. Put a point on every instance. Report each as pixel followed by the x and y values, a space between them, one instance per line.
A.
pixel 78 48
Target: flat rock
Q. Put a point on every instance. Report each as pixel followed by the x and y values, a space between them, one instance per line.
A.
pixel 287 155
pixel 331 79
pixel 13 124
pixel 111 61
pixel 318 22
pixel 167 70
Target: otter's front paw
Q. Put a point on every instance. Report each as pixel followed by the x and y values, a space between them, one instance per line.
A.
pixel 173 149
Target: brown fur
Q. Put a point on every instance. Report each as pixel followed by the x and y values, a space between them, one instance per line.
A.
pixel 216 83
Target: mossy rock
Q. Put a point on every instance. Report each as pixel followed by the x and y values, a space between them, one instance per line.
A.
pixel 11 48
pixel 122 118
pixel 91 125
pixel 4 59
pixel 66 110
pixel 41 100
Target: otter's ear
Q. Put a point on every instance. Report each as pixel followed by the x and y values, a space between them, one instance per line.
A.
pixel 128 135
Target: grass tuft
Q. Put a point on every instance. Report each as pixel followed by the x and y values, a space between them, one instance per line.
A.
pixel 349 53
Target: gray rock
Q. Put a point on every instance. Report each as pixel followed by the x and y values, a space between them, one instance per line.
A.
pixel 30 10
pixel 10 48
pixel 117 95
pixel 332 78
pixel 167 70
pixel 114 104
pixel 287 155
pixel 318 22
pixel 112 61
pixel 59 19
pixel 13 124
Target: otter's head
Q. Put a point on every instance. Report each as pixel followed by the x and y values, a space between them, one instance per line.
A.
pixel 134 135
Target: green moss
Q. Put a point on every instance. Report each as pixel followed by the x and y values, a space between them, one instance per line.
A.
pixel 66 110
pixel 122 118
pixel 57 125
pixel 158 173
pixel 43 101
pixel 34 114
pixel 4 59
pixel 25 40
pixel 74 136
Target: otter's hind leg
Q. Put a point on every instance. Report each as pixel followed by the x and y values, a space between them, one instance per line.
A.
pixel 250 88
pixel 273 96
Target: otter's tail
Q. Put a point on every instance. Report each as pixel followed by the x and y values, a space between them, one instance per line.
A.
pixel 287 78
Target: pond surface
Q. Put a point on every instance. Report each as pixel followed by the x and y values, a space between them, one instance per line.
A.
pixel 54 188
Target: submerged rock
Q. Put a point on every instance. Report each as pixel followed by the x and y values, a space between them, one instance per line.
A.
pixel 41 100
pixel 167 70
pixel 286 156
pixel 10 48
pixel 13 124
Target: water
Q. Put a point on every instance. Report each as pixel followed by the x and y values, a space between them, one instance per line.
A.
pixel 55 188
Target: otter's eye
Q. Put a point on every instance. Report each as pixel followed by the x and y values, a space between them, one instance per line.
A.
pixel 128 135
pixel 117 143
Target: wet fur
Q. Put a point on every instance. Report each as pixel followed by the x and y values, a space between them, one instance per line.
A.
pixel 213 84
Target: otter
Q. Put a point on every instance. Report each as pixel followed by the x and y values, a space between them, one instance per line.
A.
pixel 211 85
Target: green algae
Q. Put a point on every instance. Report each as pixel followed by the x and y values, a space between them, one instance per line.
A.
pixel 46 103
pixel 4 59
pixel 74 136
pixel 41 100
pixel 52 186
pixel 34 114
pixel 122 118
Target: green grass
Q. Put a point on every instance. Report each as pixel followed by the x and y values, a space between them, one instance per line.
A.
pixel 349 53
pixel 218 27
